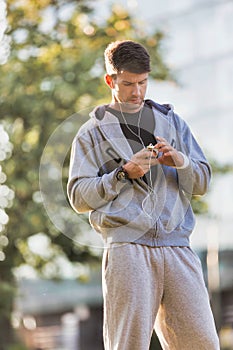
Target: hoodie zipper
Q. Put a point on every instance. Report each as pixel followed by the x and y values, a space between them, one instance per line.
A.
pixel 155 235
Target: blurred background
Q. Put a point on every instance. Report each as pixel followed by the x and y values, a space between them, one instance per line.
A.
pixel 51 56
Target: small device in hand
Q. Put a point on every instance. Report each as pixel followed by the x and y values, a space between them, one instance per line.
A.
pixel 152 148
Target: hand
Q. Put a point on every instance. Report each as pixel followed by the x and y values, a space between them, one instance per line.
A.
pixel 140 163
pixel 170 156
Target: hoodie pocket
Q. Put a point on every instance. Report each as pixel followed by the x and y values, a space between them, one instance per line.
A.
pixel 108 220
pixel 95 218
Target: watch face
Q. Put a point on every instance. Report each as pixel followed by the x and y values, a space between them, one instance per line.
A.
pixel 121 175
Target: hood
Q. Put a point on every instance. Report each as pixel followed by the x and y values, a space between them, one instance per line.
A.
pixel 99 111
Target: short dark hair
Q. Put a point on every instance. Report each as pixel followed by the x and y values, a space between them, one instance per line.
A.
pixel 126 55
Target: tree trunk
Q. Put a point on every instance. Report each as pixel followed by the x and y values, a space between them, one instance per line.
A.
pixel 6 333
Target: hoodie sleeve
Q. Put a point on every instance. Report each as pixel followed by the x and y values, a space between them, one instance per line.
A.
pixel 195 178
pixel 87 190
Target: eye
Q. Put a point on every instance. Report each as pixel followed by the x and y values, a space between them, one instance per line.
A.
pixel 142 82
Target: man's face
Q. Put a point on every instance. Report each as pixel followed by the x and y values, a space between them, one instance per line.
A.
pixel 129 89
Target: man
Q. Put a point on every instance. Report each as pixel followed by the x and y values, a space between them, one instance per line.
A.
pixel 134 167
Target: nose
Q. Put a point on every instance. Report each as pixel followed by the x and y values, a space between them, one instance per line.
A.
pixel 136 90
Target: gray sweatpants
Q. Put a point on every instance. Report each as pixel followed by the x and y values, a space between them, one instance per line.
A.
pixel 161 288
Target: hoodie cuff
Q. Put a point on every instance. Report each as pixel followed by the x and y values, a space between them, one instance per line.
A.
pixel 186 162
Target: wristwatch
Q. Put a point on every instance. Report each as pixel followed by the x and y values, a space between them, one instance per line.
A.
pixel 121 174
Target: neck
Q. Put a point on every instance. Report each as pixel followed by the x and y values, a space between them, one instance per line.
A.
pixel 126 107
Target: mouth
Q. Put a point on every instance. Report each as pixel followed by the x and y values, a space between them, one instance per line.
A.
pixel 137 101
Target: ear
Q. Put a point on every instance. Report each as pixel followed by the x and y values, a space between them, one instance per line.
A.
pixel 109 81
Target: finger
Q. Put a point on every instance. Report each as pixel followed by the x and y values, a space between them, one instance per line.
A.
pixel 161 139
pixel 161 144
pixel 148 153
pixel 168 154
pixel 165 148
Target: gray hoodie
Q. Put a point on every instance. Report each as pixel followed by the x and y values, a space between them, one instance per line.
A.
pixel 132 211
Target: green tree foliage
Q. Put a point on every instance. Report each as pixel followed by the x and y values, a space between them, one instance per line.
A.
pixel 49 76
pixel 55 69
pixel 199 203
